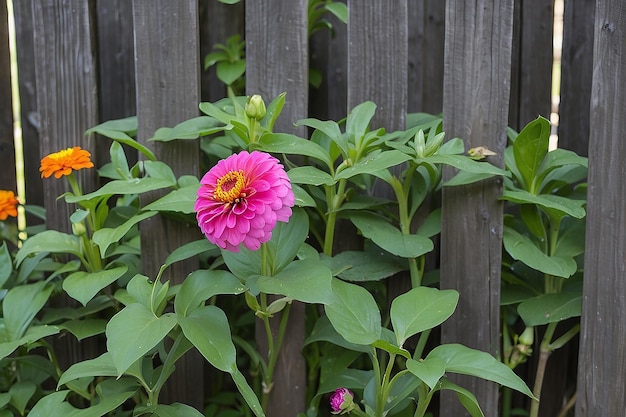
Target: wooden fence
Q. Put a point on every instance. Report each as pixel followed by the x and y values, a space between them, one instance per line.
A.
pixel 485 64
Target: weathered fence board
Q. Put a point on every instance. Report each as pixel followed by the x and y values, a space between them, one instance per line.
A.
pixel 7 146
pixel 67 98
pixel 167 32
pixel 475 101
pixel 277 61
pixel 576 71
pixel 29 115
pixel 602 362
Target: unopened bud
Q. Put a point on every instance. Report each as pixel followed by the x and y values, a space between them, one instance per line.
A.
pixel 527 337
pixel 79 229
pixel 255 107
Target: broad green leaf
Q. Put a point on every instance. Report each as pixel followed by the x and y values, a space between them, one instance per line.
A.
pixel 463 360
pixel 246 392
pixel 49 241
pixel 375 161
pixel 389 237
pixel 565 205
pixel 293 145
pixel 21 392
pixel 273 111
pixel 550 308
pixel 133 332
pixel 466 398
pixel 308 281
pixel 188 250
pixel 85 328
pixel 523 249
pixel 52 405
pixel 310 175
pixel 529 150
pixel 571 241
pixel 330 129
pixel 429 370
pixel 340 10
pixel 33 334
pixel 420 309
pixel 391 348
pixel 372 265
pixel 229 72
pixel 203 284
pixel 302 198
pixel 208 330
pixel 558 158
pixel 20 306
pixel 83 286
pixel 354 313
pixel 6 264
pixel 99 367
pixel 358 120
pixel 112 393
pixel 466 164
pixel 181 200
pixel 323 331
pixel 124 187
pixel 190 129
pixel 127 125
pixel 169 410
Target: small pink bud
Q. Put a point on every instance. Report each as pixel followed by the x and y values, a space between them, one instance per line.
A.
pixel 341 401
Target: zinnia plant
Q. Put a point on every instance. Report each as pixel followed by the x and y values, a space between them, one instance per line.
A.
pixel 65 162
pixel 241 198
pixel 8 204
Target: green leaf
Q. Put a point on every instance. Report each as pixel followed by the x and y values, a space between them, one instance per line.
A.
pixel 521 248
pixel 375 161
pixel 371 265
pixel 391 348
pixel 188 250
pixel 310 175
pixel 323 331
pixel 308 281
pixel 21 392
pixel 33 334
pixel 466 398
pixel 181 200
pixel 83 286
pixel 20 306
pixel 127 125
pixel 6 264
pixel 190 129
pixel 420 309
pixel 330 129
pixel 85 328
pixel 52 405
pixel 170 410
pixel 466 164
pixel 463 360
pixel 340 10
pixel 358 120
pixel 124 187
pixel 208 330
pixel 564 205
pixel 529 150
pixel 550 308
pixel 293 145
pixel 105 237
pixel 48 241
pixel 429 370
pixel 247 393
pixel 112 393
pixel 354 313
pixel 229 72
pixel 389 237
pixel 133 332
pixel 101 366
pixel 201 285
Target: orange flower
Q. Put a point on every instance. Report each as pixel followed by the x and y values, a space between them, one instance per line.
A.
pixel 64 162
pixel 8 204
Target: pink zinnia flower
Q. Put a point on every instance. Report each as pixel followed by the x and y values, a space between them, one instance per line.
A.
pixel 241 198
pixel 342 401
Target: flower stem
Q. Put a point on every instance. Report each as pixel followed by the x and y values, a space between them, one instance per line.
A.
pixel 334 201
pixel 544 354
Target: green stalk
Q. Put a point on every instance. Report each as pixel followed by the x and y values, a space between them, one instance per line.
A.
pixel 544 353
pixel 424 400
pixel 385 387
pixel 334 201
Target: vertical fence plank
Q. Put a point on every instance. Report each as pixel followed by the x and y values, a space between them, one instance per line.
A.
pixel 29 115
pixel 7 147
pixel 532 88
pixel 65 71
pixel 434 31
pixel 167 68
pixel 377 41
pixel 277 61
pixel 475 103
pixel 602 362
pixel 576 71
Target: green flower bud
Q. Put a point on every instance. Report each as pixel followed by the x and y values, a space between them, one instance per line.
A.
pixel 255 107
pixel 527 337
pixel 420 144
pixel 79 229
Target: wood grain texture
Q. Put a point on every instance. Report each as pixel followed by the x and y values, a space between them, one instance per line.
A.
pixel 434 40
pixel 475 102
pixel 378 59
pixel 7 146
pixel 29 116
pixel 168 88
pixel 66 79
pixel 277 61
pixel 533 90
pixel 576 71
pixel 602 360
pixel 277 57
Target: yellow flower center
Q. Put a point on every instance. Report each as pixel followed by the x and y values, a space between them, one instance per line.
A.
pixel 229 187
pixel 62 154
